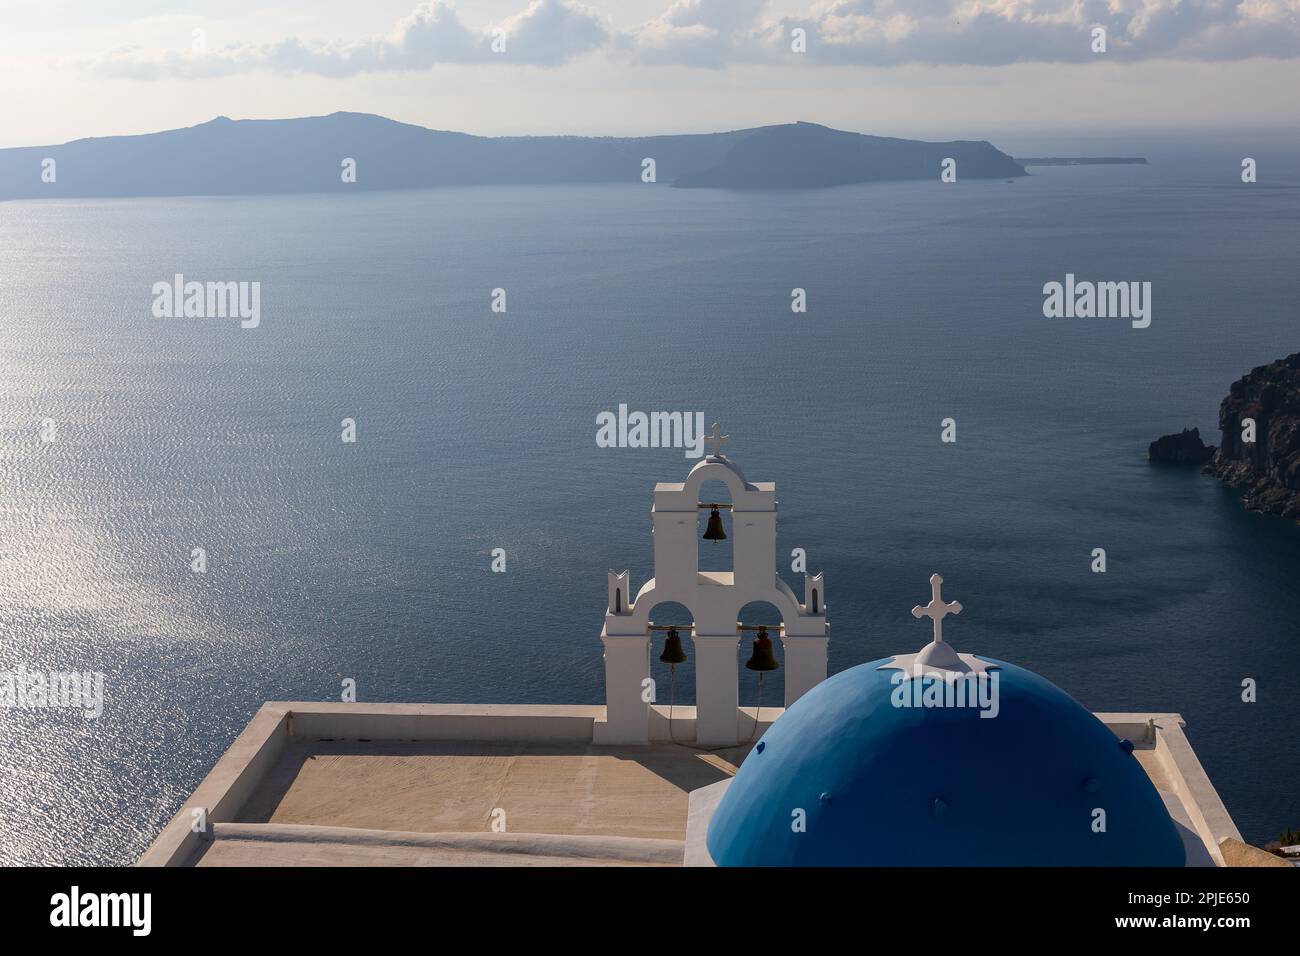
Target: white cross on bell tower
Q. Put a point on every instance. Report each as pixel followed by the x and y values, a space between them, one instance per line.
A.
pixel 716 439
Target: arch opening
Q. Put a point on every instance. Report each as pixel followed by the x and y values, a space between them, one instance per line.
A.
pixel 715 556
pixel 766 613
pixel 672 613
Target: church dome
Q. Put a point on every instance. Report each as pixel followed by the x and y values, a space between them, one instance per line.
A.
pixel 861 772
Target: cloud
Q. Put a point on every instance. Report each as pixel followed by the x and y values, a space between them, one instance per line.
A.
pixel 550 33
pixel 971 32
pixel 719 33
pixel 709 33
pixel 547 33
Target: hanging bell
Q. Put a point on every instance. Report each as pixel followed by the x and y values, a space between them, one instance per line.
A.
pixel 715 531
pixel 762 659
pixel 673 652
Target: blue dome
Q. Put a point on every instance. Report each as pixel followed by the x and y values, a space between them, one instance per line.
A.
pixel 886 785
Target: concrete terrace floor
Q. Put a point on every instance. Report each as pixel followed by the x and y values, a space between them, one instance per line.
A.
pixel 318 789
pixel 368 803
pixel 330 784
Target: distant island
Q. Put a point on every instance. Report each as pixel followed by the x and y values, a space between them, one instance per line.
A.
pixel 1083 161
pixel 248 157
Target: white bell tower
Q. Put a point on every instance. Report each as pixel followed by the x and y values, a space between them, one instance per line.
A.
pixel 714 599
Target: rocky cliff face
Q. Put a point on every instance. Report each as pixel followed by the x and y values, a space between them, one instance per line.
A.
pixel 1268 469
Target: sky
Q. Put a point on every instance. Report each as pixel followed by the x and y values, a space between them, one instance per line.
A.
pixel 937 69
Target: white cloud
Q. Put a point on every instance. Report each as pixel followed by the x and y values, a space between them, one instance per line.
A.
pixel 710 33
pixel 973 32
pixel 719 33
pixel 550 33
pixel 546 33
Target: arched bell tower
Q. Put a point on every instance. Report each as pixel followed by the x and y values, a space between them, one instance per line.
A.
pixel 714 599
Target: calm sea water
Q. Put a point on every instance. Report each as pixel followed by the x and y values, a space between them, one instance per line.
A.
pixel 476 430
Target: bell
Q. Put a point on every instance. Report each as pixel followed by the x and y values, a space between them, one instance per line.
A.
pixel 762 659
pixel 715 531
pixel 673 653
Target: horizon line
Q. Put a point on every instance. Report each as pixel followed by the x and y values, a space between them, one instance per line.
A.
pixel 1065 128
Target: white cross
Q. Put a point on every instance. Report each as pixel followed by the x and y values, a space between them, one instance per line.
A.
pixel 716 438
pixel 936 610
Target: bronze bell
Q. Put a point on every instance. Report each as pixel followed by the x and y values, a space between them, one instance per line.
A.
pixel 715 531
pixel 762 659
pixel 673 652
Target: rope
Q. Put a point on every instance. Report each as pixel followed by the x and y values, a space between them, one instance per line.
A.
pixel 757 710
pixel 672 701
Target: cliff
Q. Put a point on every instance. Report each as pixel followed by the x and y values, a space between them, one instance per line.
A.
pixel 1268 469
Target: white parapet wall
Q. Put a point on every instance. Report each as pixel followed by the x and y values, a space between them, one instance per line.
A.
pixel 1182 773
pixel 225 790
pixel 222 795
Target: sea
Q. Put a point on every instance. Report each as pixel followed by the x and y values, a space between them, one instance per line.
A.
pixel 129 441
